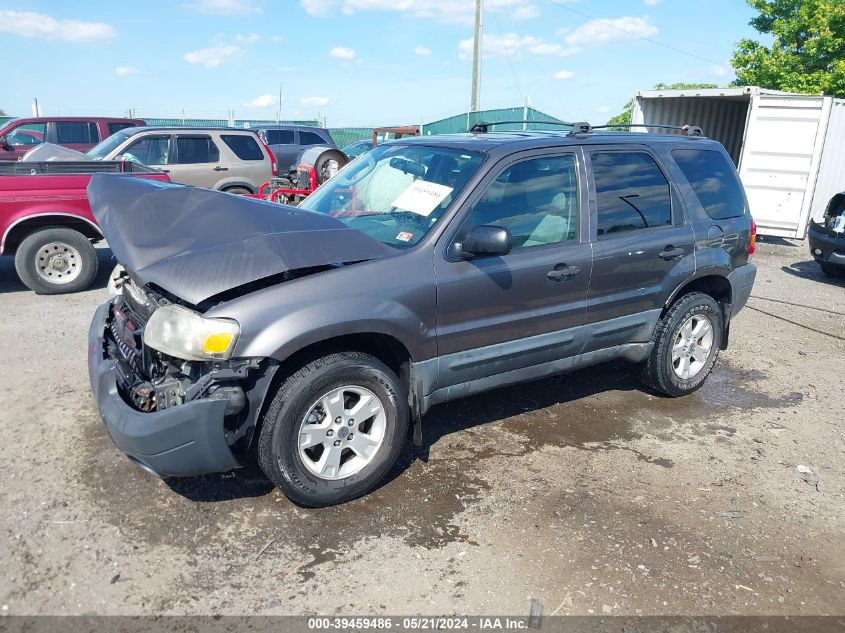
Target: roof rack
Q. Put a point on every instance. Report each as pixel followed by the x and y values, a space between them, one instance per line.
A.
pixel 482 127
pixel 582 127
pixel 686 130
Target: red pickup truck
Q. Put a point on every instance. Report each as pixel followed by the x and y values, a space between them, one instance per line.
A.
pixel 46 221
pixel 19 136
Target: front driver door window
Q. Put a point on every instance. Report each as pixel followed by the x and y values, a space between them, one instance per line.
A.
pixel 22 139
pixel 536 200
pixel 150 150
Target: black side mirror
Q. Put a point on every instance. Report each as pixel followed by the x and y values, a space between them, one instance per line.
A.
pixel 486 240
pixel 4 143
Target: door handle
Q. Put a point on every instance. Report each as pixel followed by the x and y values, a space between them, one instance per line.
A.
pixel 670 252
pixel 221 168
pixel 562 272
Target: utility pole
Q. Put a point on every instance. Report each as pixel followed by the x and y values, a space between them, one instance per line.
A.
pixel 279 111
pixel 476 55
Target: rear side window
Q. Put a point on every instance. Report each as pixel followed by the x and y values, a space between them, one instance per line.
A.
pixel 310 138
pixel 279 137
pixel 76 132
pixel 196 149
pixel 714 181
pixel 244 146
pixel 631 192
pixel 117 127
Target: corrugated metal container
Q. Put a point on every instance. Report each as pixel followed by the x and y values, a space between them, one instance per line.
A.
pixel 775 138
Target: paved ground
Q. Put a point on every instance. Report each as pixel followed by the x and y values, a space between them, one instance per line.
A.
pixel 584 492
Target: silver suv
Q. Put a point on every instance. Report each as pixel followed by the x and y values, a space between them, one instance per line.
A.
pixel 226 159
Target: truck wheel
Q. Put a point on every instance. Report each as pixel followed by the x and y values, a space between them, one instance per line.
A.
pixel 832 270
pixel 55 261
pixel 686 344
pixel 334 429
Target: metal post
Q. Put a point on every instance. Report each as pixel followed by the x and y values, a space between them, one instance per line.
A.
pixel 476 55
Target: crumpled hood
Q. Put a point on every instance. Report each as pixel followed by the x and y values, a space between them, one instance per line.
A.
pixel 197 243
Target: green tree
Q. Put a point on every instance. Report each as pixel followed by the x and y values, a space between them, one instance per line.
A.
pixel 625 116
pixel 2 112
pixel 808 51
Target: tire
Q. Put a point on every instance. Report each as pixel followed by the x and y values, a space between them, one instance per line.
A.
pixel 239 190
pixel 321 166
pixel 667 373
pixel 300 399
pixel 56 260
pixel 832 270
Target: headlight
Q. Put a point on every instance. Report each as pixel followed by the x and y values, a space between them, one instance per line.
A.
pixel 179 332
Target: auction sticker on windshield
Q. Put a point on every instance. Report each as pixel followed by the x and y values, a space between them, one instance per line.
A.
pixel 422 197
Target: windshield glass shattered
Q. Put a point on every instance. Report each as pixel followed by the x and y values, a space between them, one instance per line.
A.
pixel 396 193
pixel 99 152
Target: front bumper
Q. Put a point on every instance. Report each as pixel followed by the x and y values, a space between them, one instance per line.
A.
pixel 741 280
pixel 830 243
pixel 180 441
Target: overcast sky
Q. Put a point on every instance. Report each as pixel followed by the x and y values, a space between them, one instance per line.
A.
pixel 355 62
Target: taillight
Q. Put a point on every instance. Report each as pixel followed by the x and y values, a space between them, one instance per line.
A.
pixel 752 242
pixel 273 166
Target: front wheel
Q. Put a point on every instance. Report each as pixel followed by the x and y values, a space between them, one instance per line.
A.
pixel 56 260
pixel 686 343
pixel 334 429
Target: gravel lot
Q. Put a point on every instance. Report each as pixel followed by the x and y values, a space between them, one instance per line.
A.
pixel 584 492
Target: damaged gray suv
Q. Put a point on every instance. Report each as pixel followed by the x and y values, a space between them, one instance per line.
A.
pixel 431 268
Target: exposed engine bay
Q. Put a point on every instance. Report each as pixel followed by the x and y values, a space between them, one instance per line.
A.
pixel 150 381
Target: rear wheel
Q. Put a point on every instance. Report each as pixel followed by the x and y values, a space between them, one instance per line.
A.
pixel 238 190
pixel 334 429
pixel 56 261
pixel 686 345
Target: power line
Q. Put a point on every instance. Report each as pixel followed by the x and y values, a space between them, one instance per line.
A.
pixel 636 35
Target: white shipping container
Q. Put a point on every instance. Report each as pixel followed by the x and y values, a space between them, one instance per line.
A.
pixel 789 149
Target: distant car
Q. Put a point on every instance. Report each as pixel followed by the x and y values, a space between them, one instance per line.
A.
pixel 80 133
pixel 226 159
pixel 357 148
pixel 287 141
pixel 827 238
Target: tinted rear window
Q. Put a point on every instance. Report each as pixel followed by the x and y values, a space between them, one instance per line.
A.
pixel 714 180
pixel 76 132
pixel 196 149
pixel 117 127
pixel 310 138
pixel 245 147
pixel 631 192
pixel 279 137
